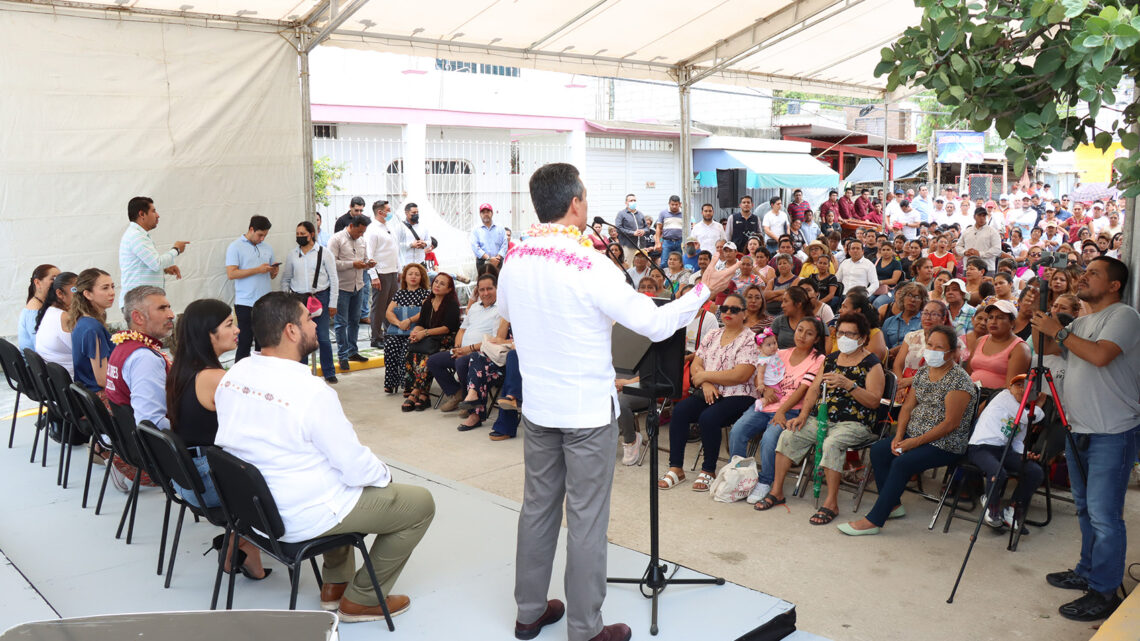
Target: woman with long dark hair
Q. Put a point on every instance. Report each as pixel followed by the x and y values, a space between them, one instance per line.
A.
pixel 53 342
pixel 206 331
pixel 38 286
pixel 438 321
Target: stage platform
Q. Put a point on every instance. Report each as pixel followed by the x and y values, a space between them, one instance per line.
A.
pixel 63 561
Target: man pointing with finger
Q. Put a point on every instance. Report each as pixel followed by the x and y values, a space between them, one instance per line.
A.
pixel 571 402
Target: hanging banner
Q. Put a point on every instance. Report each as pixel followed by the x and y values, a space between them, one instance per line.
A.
pixel 960 146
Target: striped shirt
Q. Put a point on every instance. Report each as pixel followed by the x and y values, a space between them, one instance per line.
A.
pixel 140 262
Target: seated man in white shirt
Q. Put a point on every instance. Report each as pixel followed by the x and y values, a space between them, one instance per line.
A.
pixel 274 414
pixel 857 271
pixel 482 319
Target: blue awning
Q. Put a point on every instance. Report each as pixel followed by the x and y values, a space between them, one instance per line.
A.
pixel 766 169
pixel 870 170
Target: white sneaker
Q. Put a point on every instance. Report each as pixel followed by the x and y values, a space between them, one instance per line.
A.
pixel 119 480
pixel 1007 516
pixel 758 493
pixel 631 450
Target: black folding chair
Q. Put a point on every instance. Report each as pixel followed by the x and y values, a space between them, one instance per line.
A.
pixel 99 420
pixel 37 380
pixel 252 513
pixel 16 373
pixel 171 463
pixel 75 429
pixel 127 448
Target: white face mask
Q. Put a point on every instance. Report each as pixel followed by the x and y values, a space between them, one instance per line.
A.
pixel 632 206
pixel 847 345
pixel 934 358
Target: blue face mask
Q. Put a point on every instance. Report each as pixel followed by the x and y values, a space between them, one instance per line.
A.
pixel 690 251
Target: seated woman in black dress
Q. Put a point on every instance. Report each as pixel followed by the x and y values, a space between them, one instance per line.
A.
pixel 438 321
pixel 206 331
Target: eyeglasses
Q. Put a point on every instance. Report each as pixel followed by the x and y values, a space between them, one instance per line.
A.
pixel 730 309
pixel 932 314
pixel 847 334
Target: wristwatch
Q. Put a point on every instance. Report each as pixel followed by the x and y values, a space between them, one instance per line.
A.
pixel 1062 335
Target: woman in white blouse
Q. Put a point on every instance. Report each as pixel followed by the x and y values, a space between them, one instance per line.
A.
pixel 721 373
pixel 53 342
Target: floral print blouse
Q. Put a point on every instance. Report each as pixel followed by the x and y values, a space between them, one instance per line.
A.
pixel 718 358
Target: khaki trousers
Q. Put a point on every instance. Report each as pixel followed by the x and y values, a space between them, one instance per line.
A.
pixel 399 516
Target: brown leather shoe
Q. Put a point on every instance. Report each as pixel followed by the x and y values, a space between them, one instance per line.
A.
pixel 614 632
pixel 331 594
pixel 554 611
pixel 495 436
pixel 350 612
pixel 452 402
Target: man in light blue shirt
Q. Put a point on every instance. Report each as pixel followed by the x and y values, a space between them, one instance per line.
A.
pixel 140 262
pixel 922 205
pixel 249 264
pixel 489 242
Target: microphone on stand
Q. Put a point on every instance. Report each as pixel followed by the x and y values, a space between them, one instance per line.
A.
pixel 598 220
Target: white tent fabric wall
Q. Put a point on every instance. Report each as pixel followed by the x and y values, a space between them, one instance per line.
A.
pixel 205 121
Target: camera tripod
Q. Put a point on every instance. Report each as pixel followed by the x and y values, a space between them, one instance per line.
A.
pixel 1033 383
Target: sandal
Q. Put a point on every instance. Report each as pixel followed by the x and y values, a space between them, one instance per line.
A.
pixel 421 404
pixel 408 405
pixel 702 482
pixel 670 480
pixel 769 502
pixel 823 516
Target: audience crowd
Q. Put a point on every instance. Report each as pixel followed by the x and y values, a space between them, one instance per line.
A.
pixel 935 298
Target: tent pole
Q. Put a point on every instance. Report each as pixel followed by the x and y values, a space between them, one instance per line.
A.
pixel 1130 252
pixel 307 138
pixel 886 128
pixel 686 146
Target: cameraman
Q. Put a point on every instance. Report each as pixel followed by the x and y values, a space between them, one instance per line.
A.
pixel 1101 396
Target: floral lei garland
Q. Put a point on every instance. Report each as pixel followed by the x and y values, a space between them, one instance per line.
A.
pixel 552 229
pixel 118 338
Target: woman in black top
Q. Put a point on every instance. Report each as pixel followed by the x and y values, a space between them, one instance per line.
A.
pixel 205 332
pixel 437 324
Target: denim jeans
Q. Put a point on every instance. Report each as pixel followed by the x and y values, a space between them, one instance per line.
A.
pixel 347 322
pixel 209 494
pixel 667 247
pixel 508 420
pixel 366 301
pixel 1029 476
pixel 328 368
pixel 745 429
pixel 445 369
pixel 893 472
pixel 711 418
pixel 1100 505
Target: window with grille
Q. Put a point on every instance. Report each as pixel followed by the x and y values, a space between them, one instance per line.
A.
pixel 324 131
pixel 451 190
pixel 442 64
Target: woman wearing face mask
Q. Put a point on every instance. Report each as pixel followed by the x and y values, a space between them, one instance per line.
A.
pixel 53 342
pixel 301 268
pixel 722 372
pixel 855 380
pixel 933 427
pixel 857 302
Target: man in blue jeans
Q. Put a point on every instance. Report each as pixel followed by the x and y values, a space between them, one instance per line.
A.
pixel 670 229
pixel 1101 396
pixel 348 249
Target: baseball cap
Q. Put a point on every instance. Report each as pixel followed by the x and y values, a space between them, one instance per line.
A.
pixel 1049 208
pixel 729 245
pixel 1018 378
pixel 1004 306
pixel 956 281
pixel 1098 205
pixel 485 207
pixel 990 204
pixel 899 192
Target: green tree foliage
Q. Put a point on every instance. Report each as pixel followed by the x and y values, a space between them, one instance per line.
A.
pixel 1040 71
pixel 325 175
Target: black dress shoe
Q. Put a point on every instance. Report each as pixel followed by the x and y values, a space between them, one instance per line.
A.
pixel 466 428
pixel 554 611
pixel 358 358
pixel 1067 580
pixel 331 380
pixel 1093 606
pixel 343 365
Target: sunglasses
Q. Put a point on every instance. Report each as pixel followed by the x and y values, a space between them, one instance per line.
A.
pixel 730 309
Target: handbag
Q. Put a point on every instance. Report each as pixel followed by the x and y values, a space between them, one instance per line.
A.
pixel 402 312
pixel 427 346
pixel 735 480
pixel 496 353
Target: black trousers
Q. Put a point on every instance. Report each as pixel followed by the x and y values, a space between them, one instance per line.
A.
pixel 244 314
